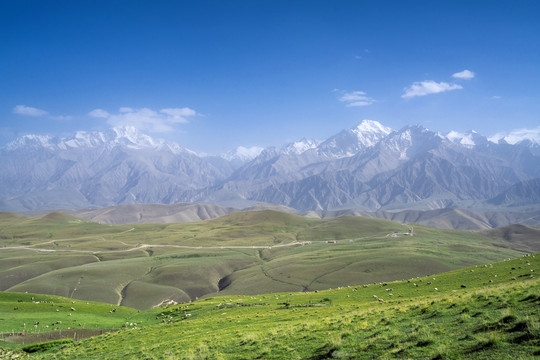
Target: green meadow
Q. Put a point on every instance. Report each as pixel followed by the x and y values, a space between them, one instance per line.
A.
pixel 147 265
pixel 489 311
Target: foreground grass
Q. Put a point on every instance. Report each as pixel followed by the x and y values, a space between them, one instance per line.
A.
pixel 485 312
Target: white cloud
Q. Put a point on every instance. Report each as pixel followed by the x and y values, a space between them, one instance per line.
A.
pixel 179 114
pixel 356 98
pixel 100 113
pixel 421 88
pixel 61 117
pixel 465 74
pixel 145 118
pixel 28 111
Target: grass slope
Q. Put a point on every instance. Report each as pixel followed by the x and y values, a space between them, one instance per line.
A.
pixel 489 311
pixel 147 265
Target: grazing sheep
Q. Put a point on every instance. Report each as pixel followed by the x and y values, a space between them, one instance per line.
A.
pixel 381 300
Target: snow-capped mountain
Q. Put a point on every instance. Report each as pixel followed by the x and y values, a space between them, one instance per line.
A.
pixel 243 154
pixel 349 142
pixel 128 137
pixel 467 139
pixel 529 137
pixel 120 166
pixel 412 167
pixel 301 146
pixel 367 167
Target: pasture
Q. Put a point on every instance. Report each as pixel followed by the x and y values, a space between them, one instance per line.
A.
pixel 147 265
pixel 485 311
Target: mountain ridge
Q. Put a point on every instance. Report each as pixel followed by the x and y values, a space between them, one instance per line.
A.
pixel 368 167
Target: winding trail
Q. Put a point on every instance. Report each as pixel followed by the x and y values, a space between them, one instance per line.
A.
pixel 144 246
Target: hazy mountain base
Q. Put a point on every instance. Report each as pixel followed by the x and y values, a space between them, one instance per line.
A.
pixel 447 218
pixel 486 312
pixel 242 253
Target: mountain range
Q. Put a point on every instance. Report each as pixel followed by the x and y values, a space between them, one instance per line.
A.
pixel 370 167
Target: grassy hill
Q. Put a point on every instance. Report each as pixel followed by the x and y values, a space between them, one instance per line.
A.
pixel 489 311
pixel 146 265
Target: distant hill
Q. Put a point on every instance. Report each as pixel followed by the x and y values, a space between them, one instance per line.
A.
pixel 153 213
pixel 520 235
pixel 448 218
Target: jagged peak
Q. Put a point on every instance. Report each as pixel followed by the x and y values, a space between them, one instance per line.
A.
pixel 529 137
pixel 242 153
pixel 127 136
pixel 301 146
pixel 32 141
pixel 467 139
pixel 371 126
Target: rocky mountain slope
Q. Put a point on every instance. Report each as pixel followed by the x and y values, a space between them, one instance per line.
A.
pixel 369 167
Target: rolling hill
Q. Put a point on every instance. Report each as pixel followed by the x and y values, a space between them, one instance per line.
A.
pixel 447 218
pixel 145 265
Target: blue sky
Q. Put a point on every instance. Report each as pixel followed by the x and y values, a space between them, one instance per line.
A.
pixel 213 75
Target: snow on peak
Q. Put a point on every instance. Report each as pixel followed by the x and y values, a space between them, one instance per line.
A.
pixel 370 132
pixel 298 147
pixel 350 142
pixel 465 139
pixel 128 137
pixel 243 154
pixel 131 137
pixel 531 136
pixel 44 141
pixel 372 126
pixel 411 141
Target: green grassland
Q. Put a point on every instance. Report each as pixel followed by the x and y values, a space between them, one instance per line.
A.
pixel 248 253
pixel 489 311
